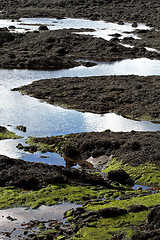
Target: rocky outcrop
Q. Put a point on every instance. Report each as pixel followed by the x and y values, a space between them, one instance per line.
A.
pixel 27 175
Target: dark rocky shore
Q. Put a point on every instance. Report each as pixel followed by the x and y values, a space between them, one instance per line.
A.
pixel 132 147
pixel 18 173
pixel 130 96
pixel 134 155
pixel 110 11
pixel 52 50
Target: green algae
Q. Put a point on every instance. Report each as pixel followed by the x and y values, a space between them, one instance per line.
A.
pixel 108 228
pixel 145 174
pixel 125 225
pixel 42 147
pixel 56 144
pixel 8 135
pixel 50 195
pixel 148 201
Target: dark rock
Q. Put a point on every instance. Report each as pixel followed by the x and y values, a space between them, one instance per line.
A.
pixel 5 36
pixel 154 217
pixel 2 129
pixel 137 208
pixel 111 212
pixel 134 25
pixel 15 172
pixel 147 235
pixel 12 27
pixel 11 218
pixel 120 176
pixel 21 128
pixel 43 28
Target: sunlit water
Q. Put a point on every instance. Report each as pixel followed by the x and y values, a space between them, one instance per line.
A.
pixel 99 28
pixel 23 216
pixel 42 119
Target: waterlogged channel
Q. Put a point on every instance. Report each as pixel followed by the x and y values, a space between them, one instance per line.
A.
pixel 42 119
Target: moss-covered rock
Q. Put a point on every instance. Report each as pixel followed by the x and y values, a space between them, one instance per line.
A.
pixel 145 174
pixel 6 134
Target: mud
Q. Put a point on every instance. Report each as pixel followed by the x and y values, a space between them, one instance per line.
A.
pixel 130 96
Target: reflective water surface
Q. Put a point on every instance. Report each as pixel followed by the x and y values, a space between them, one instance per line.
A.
pixel 42 119
pixel 99 28
pixel 23 215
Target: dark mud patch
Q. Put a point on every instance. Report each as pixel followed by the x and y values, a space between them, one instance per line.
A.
pixel 130 96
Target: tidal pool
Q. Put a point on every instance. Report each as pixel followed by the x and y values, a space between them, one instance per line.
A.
pixel 42 119
pixel 99 28
pixel 21 216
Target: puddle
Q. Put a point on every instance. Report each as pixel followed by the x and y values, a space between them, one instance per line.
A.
pixel 11 219
pixel 136 187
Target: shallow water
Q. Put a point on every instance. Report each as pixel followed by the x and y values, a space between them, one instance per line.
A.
pixel 23 215
pixel 99 28
pixel 42 119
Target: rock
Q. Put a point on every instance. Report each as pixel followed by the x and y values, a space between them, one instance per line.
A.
pixel 5 36
pixel 29 175
pixel 21 128
pixel 154 217
pixel 43 28
pixel 120 176
pixel 30 148
pixel 147 235
pixel 11 218
pixel 137 208
pixel 12 27
pixel 2 129
pixel 111 212
pixel 134 25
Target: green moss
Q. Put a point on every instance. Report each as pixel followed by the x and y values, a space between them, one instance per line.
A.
pixel 8 135
pixel 50 195
pixel 149 200
pixel 125 225
pixel 56 144
pixel 42 147
pixel 108 228
pixel 145 174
